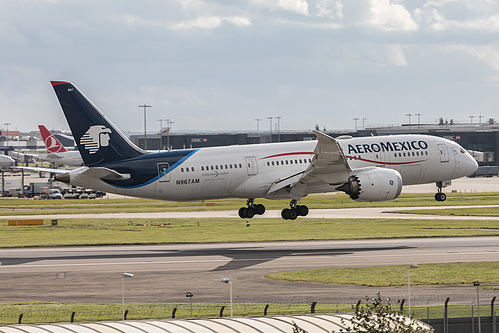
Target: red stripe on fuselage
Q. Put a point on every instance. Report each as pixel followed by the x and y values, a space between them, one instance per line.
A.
pixel 287 154
pixel 351 158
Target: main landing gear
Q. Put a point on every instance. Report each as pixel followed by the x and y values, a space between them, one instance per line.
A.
pixel 440 196
pixel 287 213
pixel 294 211
pixel 251 210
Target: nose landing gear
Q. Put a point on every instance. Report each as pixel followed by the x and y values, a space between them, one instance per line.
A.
pixel 440 196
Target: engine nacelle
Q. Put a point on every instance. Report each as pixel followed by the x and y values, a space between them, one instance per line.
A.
pixel 376 184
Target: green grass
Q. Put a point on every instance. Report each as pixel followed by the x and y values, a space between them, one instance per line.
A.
pixel 389 276
pixel 84 312
pixel 482 211
pixel 338 200
pixel 212 230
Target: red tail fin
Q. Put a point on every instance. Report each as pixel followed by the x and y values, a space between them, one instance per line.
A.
pixel 53 145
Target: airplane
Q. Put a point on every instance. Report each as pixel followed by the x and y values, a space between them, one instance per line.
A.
pixel 56 152
pixel 366 168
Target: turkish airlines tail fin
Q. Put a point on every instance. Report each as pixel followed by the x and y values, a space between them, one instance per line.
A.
pixel 51 143
pixel 98 139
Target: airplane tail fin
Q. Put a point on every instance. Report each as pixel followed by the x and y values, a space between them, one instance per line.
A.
pixel 51 143
pixel 97 138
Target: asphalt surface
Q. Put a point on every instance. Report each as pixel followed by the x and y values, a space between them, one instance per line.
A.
pixel 164 273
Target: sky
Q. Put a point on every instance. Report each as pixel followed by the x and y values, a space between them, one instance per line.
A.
pixel 220 65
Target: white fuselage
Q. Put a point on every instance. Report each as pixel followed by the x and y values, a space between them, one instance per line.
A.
pixel 249 171
pixel 71 158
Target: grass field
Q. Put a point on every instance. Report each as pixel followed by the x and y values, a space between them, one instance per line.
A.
pixel 427 274
pixel 102 231
pixel 62 312
pixel 213 230
pixel 163 231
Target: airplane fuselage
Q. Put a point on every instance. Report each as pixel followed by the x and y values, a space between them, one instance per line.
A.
pixel 249 171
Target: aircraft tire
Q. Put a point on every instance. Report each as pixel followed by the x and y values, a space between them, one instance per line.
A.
pixel 440 196
pixel 242 212
pixel 302 210
pixel 250 212
pixel 293 214
pixel 285 213
pixel 259 209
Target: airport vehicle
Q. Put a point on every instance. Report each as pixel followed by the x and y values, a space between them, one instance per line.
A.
pixel 56 152
pixel 485 171
pixel 366 168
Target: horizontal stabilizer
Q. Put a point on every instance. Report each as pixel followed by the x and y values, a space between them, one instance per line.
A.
pixel 105 173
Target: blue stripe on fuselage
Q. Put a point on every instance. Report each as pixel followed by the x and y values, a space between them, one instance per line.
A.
pixel 143 169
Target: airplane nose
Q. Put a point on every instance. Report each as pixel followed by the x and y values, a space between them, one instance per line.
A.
pixel 468 164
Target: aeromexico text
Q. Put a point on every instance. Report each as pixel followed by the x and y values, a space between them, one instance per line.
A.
pixel 387 146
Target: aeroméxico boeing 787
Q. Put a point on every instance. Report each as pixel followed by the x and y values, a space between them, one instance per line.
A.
pixel 366 168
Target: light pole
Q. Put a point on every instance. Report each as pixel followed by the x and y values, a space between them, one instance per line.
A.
pixel 477 285
pixel 419 120
pixel 145 130
pixel 409 285
pixel 278 129
pixel 258 124
pixel 189 294
pixel 125 275
pixel 169 126
pixel 7 134
pixel 363 123
pixel 355 120
pixel 270 118
pixel 409 115
pixel 161 124
pixel 226 280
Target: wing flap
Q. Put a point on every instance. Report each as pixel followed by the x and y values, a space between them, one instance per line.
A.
pixel 329 167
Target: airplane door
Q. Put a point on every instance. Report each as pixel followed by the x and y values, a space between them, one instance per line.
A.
pixel 444 155
pixel 379 158
pixel 251 165
pixel 164 172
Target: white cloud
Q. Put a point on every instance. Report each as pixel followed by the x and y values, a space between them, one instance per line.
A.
pixel 211 22
pixel 390 17
pixel 330 8
pixel 297 6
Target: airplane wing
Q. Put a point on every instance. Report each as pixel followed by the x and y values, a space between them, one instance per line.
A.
pixel 39 169
pixel 329 167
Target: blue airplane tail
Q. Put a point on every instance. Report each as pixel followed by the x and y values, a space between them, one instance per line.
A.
pixel 98 140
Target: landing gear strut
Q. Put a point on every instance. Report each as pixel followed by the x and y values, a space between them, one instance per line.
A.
pixel 440 196
pixel 251 210
pixel 294 211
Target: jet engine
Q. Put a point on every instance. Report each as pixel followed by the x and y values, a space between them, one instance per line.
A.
pixel 376 184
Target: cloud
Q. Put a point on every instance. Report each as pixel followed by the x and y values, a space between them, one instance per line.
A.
pixel 211 22
pixel 390 17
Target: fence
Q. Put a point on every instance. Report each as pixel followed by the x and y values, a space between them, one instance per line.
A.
pixel 444 318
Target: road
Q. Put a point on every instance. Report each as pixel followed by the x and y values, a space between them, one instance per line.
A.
pixel 164 273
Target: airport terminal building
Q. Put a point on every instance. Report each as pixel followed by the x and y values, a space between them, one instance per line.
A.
pixel 482 139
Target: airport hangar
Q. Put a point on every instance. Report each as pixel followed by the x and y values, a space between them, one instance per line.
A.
pixel 480 138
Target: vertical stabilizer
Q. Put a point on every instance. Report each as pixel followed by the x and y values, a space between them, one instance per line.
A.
pixel 51 143
pixel 98 140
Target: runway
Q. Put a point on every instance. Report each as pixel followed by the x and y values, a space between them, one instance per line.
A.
pixel 164 273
